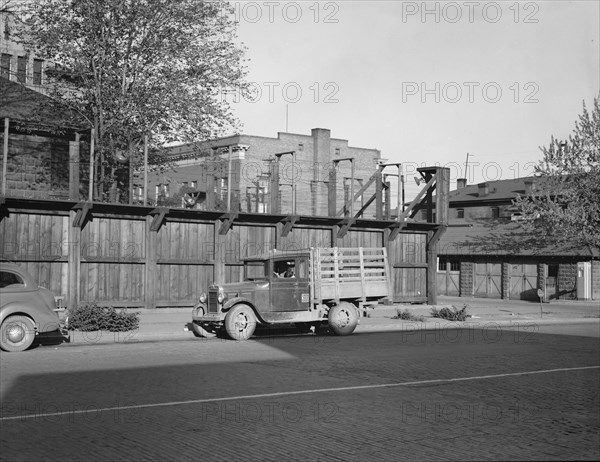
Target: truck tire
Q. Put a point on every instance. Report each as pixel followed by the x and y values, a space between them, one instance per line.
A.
pixel 240 322
pixel 343 318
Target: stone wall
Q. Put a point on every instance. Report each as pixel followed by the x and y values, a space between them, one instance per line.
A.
pixel 37 167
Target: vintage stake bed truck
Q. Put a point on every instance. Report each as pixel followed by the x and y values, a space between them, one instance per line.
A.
pixel 312 287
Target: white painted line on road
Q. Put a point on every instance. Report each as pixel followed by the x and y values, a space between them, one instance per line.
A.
pixel 298 392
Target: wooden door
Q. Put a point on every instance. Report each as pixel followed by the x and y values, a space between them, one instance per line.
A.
pixel 488 280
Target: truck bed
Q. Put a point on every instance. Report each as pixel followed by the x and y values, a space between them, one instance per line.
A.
pixel 358 273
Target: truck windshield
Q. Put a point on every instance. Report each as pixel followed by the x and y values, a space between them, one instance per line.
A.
pixel 255 269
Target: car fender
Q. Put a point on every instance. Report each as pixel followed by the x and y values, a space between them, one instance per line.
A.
pixel 43 322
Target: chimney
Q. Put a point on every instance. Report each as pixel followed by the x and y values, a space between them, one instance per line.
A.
pixel 483 189
pixel 461 183
pixel 529 185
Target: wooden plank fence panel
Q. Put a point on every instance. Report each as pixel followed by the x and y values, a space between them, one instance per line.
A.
pixel 119 261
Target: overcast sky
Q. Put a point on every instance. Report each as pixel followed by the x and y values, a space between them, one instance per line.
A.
pixel 425 83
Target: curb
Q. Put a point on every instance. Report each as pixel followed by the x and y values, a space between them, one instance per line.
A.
pixel 175 331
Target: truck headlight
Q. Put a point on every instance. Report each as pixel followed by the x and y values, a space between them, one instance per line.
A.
pixel 221 296
pixel 202 298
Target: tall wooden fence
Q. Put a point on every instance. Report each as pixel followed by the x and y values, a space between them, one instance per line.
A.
pixel 132 256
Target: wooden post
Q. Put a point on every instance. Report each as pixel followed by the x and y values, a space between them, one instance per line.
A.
pixel 5 155
pixel 145 190
pixel 431 269
pixel 219 275
pixel 150 268
pixel 275 186
pixel 74 168
pixel 73 261
pixel 379 195
pixel 442 194
pixel 388 199
pixel 332 191
pixel 352 188
pixel 91 182
pixel 229 182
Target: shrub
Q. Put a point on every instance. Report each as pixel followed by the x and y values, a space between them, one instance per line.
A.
pixel 406 315
pixel 453 314
pixel 93 317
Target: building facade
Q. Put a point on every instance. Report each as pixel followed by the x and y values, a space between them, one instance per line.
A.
pixel 289 174
pixel 16 63
pixel 486 252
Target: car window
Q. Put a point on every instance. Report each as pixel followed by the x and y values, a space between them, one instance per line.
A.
pixel 8 278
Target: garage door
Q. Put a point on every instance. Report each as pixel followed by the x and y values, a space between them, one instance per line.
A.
pixel 488 280
pixel 523 281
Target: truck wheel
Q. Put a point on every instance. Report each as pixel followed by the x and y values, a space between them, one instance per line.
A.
pixel 343 318
pixel 199 331
pixel 17 333
pixel 240 322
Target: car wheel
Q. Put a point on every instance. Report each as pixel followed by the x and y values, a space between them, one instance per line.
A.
pixel 199 331
pixel 17 333
pixel 343 318
pixel 240 322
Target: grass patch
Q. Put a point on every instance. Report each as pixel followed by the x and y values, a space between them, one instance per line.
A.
pixel 453 314
pixel 407 315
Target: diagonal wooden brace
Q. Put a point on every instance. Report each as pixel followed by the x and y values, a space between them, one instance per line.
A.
pixel 228 220
pixel 83 214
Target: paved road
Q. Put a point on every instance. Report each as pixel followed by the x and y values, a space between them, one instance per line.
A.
pixel 469 394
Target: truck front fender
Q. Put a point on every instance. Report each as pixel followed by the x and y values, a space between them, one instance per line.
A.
pixel 230 303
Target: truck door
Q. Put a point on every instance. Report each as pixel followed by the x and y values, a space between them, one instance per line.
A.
pixel 289 285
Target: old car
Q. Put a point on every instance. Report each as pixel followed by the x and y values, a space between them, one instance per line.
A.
pixel 26 309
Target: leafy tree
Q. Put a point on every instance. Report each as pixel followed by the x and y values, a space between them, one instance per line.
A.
pixel 565 207
pixel 136 68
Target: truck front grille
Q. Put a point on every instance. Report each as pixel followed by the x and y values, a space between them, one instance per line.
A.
pixel 213 303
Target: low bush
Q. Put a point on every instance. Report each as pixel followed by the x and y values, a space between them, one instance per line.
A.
pixel 93 317
pixel 453 314
pixel 406 315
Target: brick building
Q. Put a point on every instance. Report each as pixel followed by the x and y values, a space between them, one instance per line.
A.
pixel 486 253
pixel 16 63
pixel 287 174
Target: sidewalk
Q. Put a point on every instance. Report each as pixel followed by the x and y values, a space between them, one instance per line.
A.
pixel 171 323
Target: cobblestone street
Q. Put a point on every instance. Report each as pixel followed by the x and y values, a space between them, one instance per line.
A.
pixel 460 395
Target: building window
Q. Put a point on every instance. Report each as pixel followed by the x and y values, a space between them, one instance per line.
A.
pixel 300 147
pixel 450 265
pixel 193 184
pixel 5 66
pixel 37 71
pixel 460 213
pixel 495 212
pixel 22 69
pixel 441 264
pixel 337 151
pixel 6 28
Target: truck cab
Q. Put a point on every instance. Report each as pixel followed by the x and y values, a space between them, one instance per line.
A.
pixel 289 287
